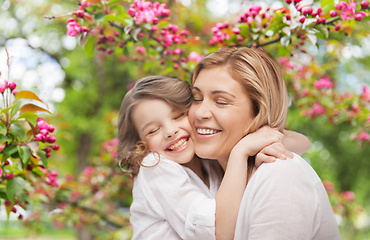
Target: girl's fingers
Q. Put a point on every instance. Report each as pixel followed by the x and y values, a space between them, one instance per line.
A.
pixel 261 158
pixel 274 151
pixel 271 150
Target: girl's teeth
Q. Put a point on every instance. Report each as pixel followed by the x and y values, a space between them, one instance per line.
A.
pixel 179 144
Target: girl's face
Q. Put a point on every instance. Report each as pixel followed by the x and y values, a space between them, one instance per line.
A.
pixel 220 113
pixel 165 129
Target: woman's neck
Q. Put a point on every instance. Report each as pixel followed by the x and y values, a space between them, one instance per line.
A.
pixel 196 166
pixel 223 162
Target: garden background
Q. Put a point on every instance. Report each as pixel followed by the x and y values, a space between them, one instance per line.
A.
pixel 77 59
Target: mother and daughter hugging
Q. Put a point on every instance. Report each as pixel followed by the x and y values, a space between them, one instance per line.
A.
pixel 196 155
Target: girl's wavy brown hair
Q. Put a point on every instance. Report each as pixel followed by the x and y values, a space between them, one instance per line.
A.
pixel 131 150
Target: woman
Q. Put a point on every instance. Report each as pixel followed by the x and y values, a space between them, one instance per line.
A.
pixel 236 91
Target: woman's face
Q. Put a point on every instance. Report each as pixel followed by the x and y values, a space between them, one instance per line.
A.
pixel 220 113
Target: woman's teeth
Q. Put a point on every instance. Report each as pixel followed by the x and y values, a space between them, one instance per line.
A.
pixel 179 144
pixel 207 131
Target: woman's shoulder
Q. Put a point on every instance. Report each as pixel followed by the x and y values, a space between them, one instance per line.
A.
pixel 292 168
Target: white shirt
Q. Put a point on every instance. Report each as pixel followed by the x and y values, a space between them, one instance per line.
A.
pixel 286 200
pixel 171 202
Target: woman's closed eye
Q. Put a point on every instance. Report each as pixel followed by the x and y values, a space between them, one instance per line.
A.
pixel 222 102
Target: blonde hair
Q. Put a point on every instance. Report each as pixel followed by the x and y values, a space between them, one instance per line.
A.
pixel 260 76
pixel 131 151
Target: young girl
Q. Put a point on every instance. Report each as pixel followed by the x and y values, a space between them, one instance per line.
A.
pixel 173 201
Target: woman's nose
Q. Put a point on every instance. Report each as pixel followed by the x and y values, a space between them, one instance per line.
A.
pixel 202 111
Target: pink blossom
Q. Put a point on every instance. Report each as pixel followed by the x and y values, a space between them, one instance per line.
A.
pixel 364 136
pixel 348 10
pixel 1 172
pixel 3 86
pixel 73 29
pixel 366 92
pixel 88 171
pixel 349 195
pixel 177 51
pixel 318 109
pixel 328 186
pixel 195 57
pixel 368 119
pixel 355 107
pixel 236 30
pixel 141 50
pixel 323 83
pixel 359 16
pixel 305 92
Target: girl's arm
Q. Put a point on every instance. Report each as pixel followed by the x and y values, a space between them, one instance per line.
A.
pixel 296 142
pixel 233 185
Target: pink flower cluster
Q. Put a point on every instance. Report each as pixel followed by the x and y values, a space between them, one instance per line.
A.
pixel 110 147
pixel 348 10
pixel 140 50
pixel 43 135
pixel 285 62
pixel 324 82
pixel 148 11
pixel 316 110
pixel 349 195
pixel 218 34
pixel 171 35
pixel 73 28
pixel 195 57
pixel 11 85
pixel 51 177
pixel 249 14
pixel 365 92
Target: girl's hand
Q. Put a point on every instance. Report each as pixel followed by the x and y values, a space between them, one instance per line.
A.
pixel 271 152
pixel 253 143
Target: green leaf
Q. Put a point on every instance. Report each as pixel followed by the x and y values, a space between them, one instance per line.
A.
pixel 326 2
pixel 9 150
pixel 32 117
pixel 15 188
pixel 320 35
pixel 99 17
pixel 27 95
pixel 282 51
pixel 130 22
pixel 43 157
pixel 4 138
pixel 2 128
pixel 89 46
pixel 18 130
pixel 39 172
pixel 146 43
pixel 323 30
pixel 33 108
pixel 25 155
pixel 110 17
pixel 125 51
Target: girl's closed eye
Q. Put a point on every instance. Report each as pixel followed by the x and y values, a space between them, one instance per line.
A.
pixel 153 131
pixel 179 116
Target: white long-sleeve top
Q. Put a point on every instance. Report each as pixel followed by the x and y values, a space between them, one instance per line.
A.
pixel 286 200
pixel 171 202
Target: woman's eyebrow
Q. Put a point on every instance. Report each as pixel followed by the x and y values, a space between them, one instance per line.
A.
pixel 221 91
